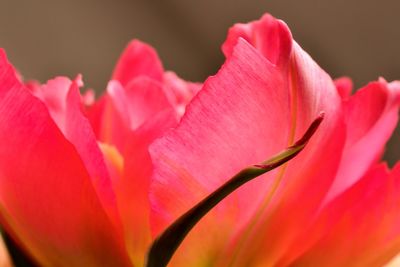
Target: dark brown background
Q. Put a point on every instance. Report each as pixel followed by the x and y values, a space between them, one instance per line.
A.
pixel 45 38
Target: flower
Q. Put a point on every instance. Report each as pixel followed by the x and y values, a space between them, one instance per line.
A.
pixel 333 205
pixel 91 183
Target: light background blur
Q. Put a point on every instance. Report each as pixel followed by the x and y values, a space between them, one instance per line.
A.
pixel 46 38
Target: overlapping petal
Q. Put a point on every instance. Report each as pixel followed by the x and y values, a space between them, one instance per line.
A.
pixel 48 198
pixel 253 108
pixel 140 104
pixel 270 86
pixel 219 126
pixel 367 214
pixel 311 91
pixel 148 114
pixel 94 182
pixel 371 117
pixel 138 59
pixel 63 101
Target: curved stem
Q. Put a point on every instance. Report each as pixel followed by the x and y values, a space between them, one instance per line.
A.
pixel 165 245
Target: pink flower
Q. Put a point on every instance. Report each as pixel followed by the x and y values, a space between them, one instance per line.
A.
pixel 336 204
pixel 92 184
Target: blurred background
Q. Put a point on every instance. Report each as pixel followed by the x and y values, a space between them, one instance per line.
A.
pixel 360 39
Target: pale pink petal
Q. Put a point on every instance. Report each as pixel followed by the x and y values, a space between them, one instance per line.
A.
pixel 145 98
pixel 179 92
pixel 394 88
pixel 54 95
pixel 48 201
pixel 371 117
pixel 128 108
pixel 118 98
pixel 138 59
pixel 89 97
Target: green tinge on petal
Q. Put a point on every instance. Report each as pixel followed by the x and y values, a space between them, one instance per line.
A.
pixel 165 245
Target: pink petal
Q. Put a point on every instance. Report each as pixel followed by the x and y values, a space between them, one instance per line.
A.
pixel 363 221
pixel 314 89
pixel 179 92
pixel 371 117
pixel 305 181
pixel 126 109
pixel 145 98
pixel 138 59
pixel 63 101
pixel 54 95
pixel 240 117
pixel 149 114
pixel 269 35
pixel 344 86
pixel 80 134
pixel 47 197
pixel 220 122
pixel 137 114
pixel 88 98
pixel 249 110
pixel 119 100
pixel 133 186
pixel 33 86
